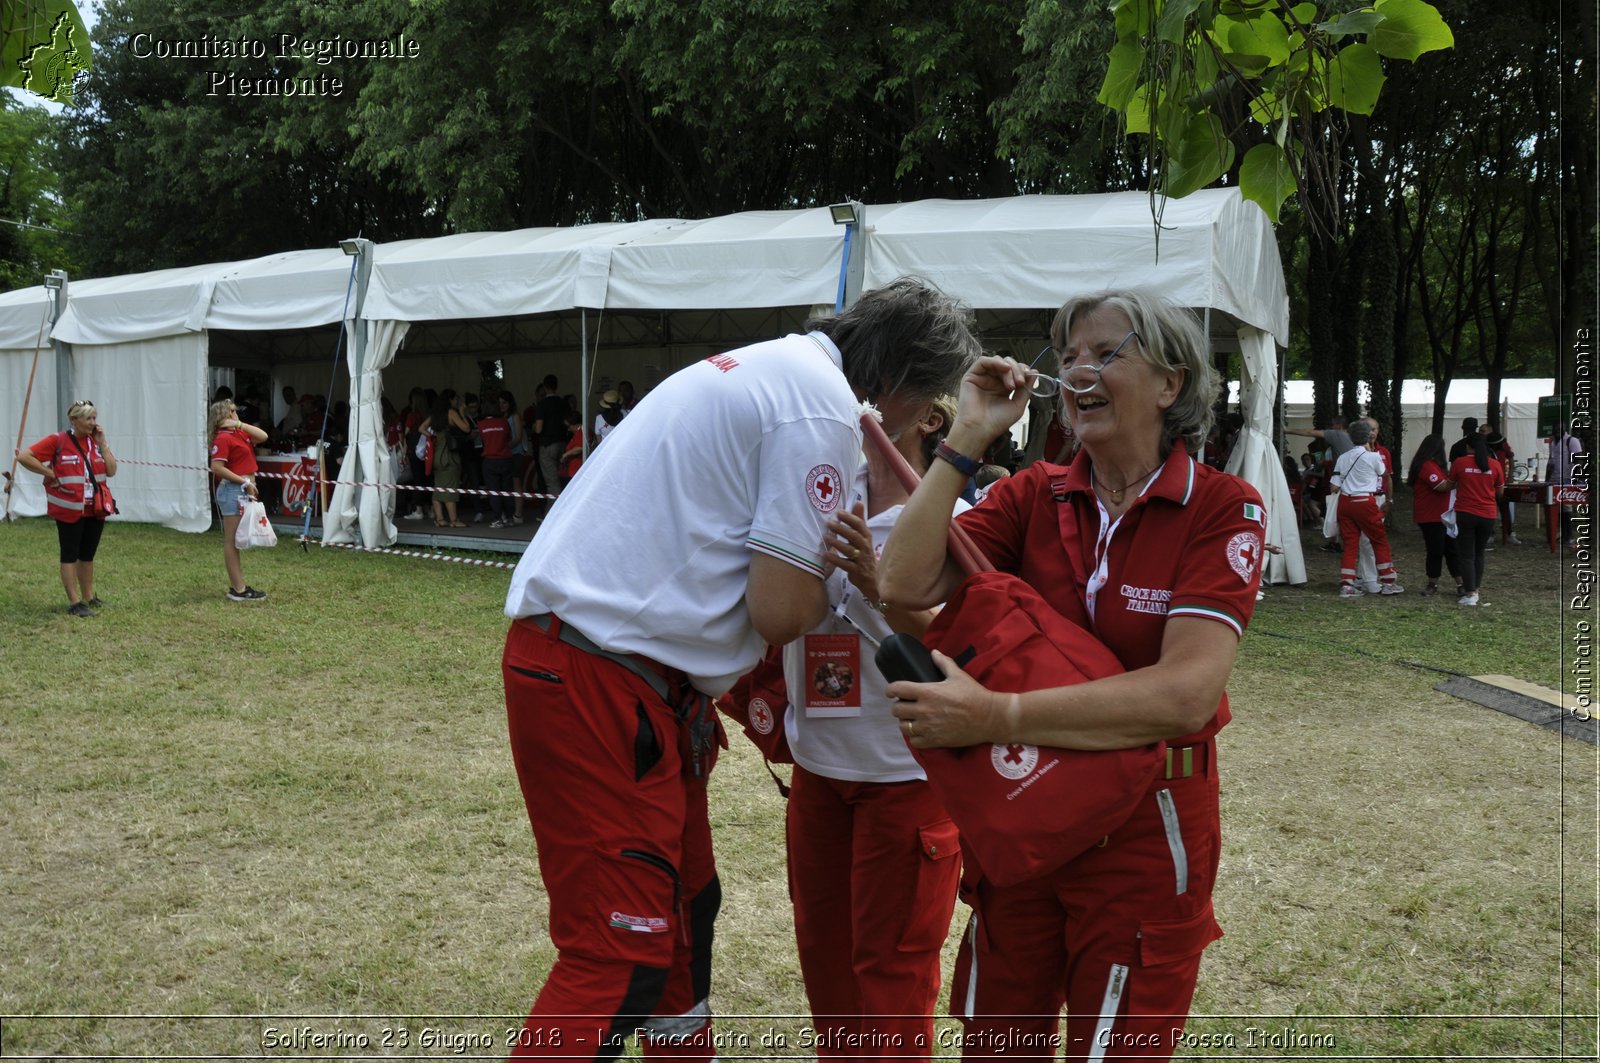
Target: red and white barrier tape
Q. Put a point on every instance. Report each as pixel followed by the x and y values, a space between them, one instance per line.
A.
pixel 471 561
pixel 350 483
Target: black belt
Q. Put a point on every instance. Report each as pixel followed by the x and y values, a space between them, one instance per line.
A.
pixel 661 678
pixel 693 709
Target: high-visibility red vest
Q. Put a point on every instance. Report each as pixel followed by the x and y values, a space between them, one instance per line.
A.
pixel 64 497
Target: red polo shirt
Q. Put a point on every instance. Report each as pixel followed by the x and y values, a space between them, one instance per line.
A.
pixel 1475 487
pixel 235 450
pixel 1191 545
pixel 1428 504
pixel 496 432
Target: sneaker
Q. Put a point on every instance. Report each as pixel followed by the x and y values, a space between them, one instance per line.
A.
pixel 249 594
pixel 1512 540
pixel 415 514
pixel 516 520
pixel 1333 547
pixel 497 523
pixel 1350 590
pixel 1430 590
pixel 79 609
pixel 1468 599
pixel 95 603
pixel 477 518
pixel 1391 588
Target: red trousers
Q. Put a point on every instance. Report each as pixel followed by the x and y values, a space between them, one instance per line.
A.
pixel 624 848
pixel 1359 515
pixel 1115 935
pixel 873 872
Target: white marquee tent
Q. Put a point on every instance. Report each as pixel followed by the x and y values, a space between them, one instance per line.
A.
pixel 647 296
pixel 1517 414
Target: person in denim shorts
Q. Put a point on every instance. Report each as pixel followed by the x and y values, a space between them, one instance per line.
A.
pixel 233 463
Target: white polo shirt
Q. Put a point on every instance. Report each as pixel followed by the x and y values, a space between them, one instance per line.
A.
pixel 867 747
pixel 1359 472
pixel 647 550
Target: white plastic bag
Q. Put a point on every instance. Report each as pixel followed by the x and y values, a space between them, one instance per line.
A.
pixel 1448 517
pixel 1330 517
pixel 254 527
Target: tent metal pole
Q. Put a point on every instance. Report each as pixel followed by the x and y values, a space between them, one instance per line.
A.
pixel 583 374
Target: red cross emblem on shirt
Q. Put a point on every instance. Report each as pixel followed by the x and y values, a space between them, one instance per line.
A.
pixel 822 485
pixel 1014 754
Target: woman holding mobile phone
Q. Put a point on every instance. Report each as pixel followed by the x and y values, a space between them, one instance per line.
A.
pixel 233 463
pixel 75 465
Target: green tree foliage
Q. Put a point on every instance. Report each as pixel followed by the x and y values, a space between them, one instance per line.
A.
pixel 567 111
pixel 1206 78
pixel 30 199
pixel 1425 189
pixel 166 171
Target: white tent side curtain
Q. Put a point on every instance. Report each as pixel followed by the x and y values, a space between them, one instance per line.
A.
pixel 46 414
pixel 151 400
pixel 367 508
pixel 1255 459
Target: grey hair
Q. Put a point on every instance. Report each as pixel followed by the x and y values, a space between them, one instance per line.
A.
pixel 1170 339
pixel 1360 432
pixel 906 338
pixel 945 407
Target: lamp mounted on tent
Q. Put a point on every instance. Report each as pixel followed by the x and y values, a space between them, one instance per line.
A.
pixel 852 264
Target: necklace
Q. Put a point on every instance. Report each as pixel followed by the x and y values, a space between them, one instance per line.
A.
pixel 1116 493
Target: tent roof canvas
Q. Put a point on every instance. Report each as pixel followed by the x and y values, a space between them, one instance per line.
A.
pixel 1215 250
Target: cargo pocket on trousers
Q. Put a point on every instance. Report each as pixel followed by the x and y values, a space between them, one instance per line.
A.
pixel 1167 941
pixel 634 900
pixel 928 920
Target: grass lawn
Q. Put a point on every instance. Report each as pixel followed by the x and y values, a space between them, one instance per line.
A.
pixel 227 824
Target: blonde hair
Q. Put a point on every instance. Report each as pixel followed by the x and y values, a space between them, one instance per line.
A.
pixel 220 411
pixel 81 408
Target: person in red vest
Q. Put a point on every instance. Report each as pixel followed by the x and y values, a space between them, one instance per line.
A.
pixel 75 465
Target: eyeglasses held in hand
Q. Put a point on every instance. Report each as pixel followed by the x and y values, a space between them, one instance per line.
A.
pixel 1080 378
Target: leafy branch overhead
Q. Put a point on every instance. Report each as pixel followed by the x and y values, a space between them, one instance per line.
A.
pixel 1205 78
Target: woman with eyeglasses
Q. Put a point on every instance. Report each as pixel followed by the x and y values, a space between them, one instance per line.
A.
pixel 1160 557
pixel 75 465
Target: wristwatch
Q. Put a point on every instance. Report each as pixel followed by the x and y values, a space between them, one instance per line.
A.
pixel 967 466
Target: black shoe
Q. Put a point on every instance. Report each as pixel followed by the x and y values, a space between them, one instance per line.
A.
pixel 80 609
pixel 249 594
pixel 95 603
